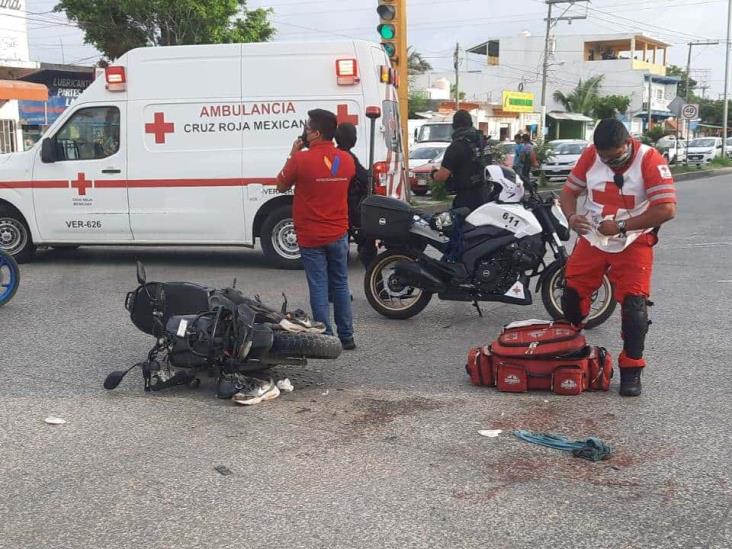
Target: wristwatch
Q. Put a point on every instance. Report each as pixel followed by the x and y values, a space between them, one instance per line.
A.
pixel 621 227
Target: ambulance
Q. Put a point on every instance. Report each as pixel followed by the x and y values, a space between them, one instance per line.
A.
pixel 181 145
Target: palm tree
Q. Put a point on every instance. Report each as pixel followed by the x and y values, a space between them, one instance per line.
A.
pixel 582 99
pixel 416 63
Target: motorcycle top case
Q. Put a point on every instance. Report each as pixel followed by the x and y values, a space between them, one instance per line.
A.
pixel 386 218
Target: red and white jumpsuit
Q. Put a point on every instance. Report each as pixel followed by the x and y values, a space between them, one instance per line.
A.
pixel 628 260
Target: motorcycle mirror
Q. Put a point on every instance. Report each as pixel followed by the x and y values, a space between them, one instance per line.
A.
pixel 141 275
pixel 114 379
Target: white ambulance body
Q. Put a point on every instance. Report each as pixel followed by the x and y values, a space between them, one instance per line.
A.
pixel 181 146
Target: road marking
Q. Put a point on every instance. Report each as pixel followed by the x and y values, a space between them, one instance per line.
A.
pixel 706 245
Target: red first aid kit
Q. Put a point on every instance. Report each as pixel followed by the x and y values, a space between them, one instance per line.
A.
pixel 535 355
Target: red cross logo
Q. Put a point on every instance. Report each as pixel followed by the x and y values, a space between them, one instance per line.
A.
pixel 160 127
pixel 81 184
pixel 343 115
pixel 612 200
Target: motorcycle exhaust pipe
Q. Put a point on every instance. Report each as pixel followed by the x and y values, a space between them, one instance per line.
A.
pixel 413 274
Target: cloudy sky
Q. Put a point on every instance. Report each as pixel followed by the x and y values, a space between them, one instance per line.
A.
pixel 435 26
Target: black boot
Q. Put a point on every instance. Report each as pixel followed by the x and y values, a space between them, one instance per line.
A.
pixel 630 381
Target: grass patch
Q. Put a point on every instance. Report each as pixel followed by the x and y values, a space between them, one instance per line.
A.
pixel 717 163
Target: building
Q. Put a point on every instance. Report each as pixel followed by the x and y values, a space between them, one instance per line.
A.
pixel 32 94
pixel 514 64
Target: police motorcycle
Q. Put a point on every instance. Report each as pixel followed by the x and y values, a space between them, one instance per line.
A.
pixel 489 254
pixel 222 332
pixel 9 277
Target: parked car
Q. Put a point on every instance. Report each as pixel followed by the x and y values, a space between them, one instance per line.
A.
pixel 667 141
pixel 676 152
pixel 564 156
pixel 728 147
pixel 704 149
pixel 421 155
pixel 421 177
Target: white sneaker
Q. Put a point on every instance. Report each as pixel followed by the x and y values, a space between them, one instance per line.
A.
pixel 257 391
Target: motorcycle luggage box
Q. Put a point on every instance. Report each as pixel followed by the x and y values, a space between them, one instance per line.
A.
pixel 386 218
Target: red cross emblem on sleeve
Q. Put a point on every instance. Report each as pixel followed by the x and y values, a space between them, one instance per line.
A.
pixel 160 127
pixel 612 200
pixel 344 116
pixel 81 184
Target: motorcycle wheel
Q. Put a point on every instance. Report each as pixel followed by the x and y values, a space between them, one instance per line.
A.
pixel 9 277
pixel 603 304
pixel 306 345
pixel 386 294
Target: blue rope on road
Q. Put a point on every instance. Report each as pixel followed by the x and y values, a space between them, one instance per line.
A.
pixel 591 448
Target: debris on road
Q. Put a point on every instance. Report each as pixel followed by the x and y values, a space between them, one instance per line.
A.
pixel 223 470
pixel 490 433
pixel 591 448
pixel 55 421
pixel 285 385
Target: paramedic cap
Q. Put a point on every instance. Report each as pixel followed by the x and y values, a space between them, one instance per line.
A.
pixel 345 136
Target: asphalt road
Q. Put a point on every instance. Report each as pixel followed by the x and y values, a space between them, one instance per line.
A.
pixel 377 449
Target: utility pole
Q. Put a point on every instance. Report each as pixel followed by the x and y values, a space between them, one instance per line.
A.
pixel 550 22
pixel 650 100
pixel 726 76
pixel 456 58
pixel 688 61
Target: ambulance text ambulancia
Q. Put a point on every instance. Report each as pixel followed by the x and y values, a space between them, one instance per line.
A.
pixel 181 145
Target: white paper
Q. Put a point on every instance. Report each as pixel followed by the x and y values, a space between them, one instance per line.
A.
pixel 490 433
pixel 55 421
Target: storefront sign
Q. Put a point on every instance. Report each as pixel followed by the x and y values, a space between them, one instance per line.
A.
pixel 63 89
pixel 518 101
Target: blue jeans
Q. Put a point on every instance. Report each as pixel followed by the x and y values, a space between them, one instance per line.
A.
pixel 326 268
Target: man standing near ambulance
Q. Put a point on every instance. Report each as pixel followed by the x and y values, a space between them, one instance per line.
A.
pixel 629 194
pixel 321 175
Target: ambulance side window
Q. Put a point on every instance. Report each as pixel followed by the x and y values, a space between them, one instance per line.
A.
pixel 90 134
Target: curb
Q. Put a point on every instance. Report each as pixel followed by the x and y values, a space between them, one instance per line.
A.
pixel 701 174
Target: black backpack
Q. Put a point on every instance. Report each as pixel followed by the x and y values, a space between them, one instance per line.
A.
pixel 479 158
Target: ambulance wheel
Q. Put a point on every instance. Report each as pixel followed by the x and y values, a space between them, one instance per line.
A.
pixel 15 237
pixel 279 241
pixel 602 307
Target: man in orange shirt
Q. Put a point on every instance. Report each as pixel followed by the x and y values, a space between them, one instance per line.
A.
pixel 321 175
pixel 629 193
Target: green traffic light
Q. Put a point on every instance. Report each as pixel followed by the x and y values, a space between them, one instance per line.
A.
pixel 386 31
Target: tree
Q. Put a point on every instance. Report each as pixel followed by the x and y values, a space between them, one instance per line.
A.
pixel 610 106
pixel 582 99
pixel 452 92
pixel 116 27
pixel 418 102
pixel 416 63
pixel 674 70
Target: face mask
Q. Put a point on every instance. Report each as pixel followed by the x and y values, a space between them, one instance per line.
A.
pixel 621 160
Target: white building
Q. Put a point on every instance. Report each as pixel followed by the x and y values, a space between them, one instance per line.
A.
pixel 515 64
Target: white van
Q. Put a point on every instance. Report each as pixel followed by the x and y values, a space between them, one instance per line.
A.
pixel 181 146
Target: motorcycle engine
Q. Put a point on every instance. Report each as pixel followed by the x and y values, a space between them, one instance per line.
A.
pixel 496 274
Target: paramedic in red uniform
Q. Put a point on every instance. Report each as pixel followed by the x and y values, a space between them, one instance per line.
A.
pixel 629 194
pixel 321 175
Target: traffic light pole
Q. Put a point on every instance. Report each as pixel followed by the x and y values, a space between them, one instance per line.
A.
pixel 403 69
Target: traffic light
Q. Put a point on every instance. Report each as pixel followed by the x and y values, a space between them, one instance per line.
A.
pixel 388 27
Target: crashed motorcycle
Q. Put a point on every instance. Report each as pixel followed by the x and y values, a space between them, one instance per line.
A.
pixel 489 254
pixel 9 277
pixel 224 333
